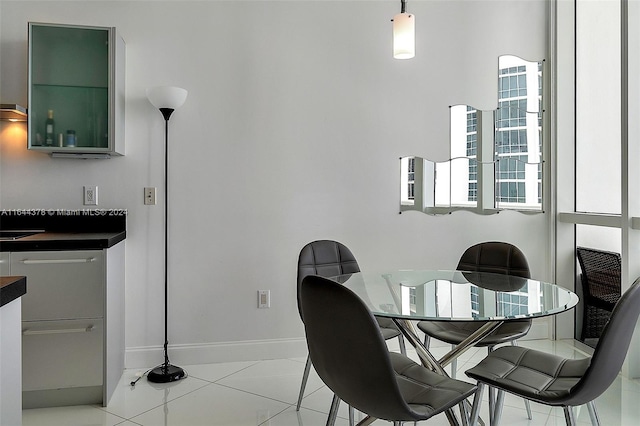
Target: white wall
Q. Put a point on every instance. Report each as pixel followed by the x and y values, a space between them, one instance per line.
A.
pixel 296 117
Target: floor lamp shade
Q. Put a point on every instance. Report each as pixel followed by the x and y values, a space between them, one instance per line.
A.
pixel 404 38
pixel 166 96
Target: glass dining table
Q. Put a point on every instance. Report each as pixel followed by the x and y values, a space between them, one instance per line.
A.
pixel 407 296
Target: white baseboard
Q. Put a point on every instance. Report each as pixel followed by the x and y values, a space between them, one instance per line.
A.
pixel 252 350
pixel 209 353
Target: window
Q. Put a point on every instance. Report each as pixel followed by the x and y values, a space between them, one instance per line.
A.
pixel 473 191
pixel 511 167
pixel 515 303
pixel 472 152
pixel 518 135
pixel 511 113
pixel 475 301
pixel 513 82
pixel 411 175
pixel 511 192
pixel 509 141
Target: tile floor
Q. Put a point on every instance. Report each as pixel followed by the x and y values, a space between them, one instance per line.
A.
pixel 265 393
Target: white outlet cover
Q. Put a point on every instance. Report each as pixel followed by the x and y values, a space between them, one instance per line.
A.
pixel 150 196
pixel 90 195
pixel 264 299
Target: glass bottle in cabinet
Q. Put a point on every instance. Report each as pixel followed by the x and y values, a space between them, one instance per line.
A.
pixel 76 87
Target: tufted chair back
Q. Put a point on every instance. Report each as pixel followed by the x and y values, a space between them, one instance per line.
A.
pixel 495 257
pixel 325 258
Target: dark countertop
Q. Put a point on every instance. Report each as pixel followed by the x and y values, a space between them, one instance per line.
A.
pixel 11 288
pixel 64 241
pixel 64 229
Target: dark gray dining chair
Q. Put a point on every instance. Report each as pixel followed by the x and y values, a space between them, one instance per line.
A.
pixel 329 258
pixel 352 359
pixel 561 382
pixel 495 257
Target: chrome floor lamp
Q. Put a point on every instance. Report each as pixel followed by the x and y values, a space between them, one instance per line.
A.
pixel 166 99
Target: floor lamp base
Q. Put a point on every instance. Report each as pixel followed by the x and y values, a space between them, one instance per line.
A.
pixel 166 373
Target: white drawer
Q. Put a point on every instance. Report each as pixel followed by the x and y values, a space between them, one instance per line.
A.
pixel 62 354
pixel 4 263
pixel 61 284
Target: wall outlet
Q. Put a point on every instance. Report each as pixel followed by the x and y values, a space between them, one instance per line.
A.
pixel 264 299
pixel 90 195
pixel 150 196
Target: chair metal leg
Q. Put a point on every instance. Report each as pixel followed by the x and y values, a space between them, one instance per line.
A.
pixel 303 385
pixel 464 413
pixel 492 404
pixel 403 349
pixel 333 411
pixel 475 409
pixel 569 417
pixel 492 397
pixel 527 405
pixel 593 414
pixel 497 416
pixel 367 421
pixel 454 364
pixel 451 417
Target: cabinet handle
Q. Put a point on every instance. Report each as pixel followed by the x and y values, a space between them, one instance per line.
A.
pixel 59 261
pixel 27 332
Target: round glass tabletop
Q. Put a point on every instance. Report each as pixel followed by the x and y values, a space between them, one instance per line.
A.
pixel 439 295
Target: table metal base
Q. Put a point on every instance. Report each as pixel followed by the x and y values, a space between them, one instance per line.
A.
pixel 429 361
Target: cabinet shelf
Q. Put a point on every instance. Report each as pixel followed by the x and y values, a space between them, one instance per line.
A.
pixel 69 86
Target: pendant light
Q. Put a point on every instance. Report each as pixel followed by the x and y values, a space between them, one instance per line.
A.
pixel 404 34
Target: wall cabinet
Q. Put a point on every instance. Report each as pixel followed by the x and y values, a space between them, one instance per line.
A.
pixel 76 90
pixel 72 325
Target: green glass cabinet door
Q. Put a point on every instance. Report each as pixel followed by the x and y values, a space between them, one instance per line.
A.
pixel 76 90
